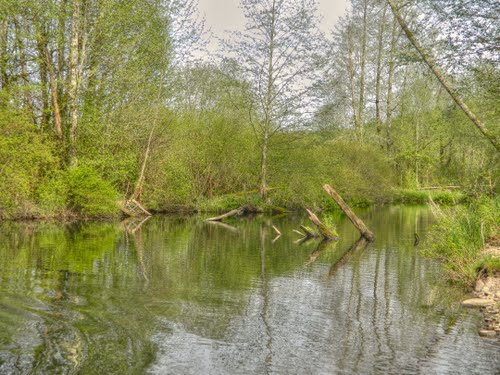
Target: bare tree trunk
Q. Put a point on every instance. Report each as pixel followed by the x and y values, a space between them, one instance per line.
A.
pixel 429 60
pixel 24 70
pixel 379 69
pixel 362 73
pixel 4 79
pixel 61 45
pixel 42 48
pixel 390 78
pixel 53 92
pixel 140 182
pixel 263 165
pixel 269 100
pixel 352 83
pixel 73 81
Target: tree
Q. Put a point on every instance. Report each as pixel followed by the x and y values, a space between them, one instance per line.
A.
pixel 440 75
pixel 279 51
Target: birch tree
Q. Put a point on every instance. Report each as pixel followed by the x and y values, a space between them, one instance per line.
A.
pixel 279 51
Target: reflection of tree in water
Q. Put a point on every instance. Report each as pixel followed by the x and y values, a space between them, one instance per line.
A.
pixel 133 227
pixel 264 289
pixel 251 300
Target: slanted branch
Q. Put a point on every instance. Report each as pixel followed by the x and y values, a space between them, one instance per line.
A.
pixel 235 212
pixel 322 228
pixel 132 207
pixel 358 223
pixel 243 210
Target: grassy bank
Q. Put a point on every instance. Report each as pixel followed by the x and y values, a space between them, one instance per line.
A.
pixel 441 197
pixel 460 235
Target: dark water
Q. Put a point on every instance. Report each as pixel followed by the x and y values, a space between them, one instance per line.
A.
pixel 180 296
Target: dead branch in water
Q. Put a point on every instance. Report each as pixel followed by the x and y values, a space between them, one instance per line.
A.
pixel 322 228
pixel 358 223
pixel 235 212
pixel 240 211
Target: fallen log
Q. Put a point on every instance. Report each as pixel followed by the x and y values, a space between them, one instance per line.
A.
pixel 358 223
pixel 133 208
pixel 247 209
pixel 235 212
pixel 322 228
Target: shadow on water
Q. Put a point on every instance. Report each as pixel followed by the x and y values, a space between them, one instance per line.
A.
pixel 178 295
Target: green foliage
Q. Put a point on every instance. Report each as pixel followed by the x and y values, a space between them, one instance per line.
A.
pixel 360 173
pixel 330 221
pixel 89 194
pixel 488 264
pixel 449 198
pixel 458 238
pixel 25 158
pixel 52 194
pixel 230 202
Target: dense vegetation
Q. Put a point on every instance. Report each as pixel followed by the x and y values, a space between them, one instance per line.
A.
pixel 86 83
pixel 460 236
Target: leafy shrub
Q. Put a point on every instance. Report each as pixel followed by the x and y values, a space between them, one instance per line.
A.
pixel 89 194
pixel 25 158
pixel 52 194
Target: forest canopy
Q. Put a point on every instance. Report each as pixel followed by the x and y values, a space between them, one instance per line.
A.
pixel 87 86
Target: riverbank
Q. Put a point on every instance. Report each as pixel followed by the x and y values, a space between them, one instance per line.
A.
pixel 466 240
pixel 487 290
pixel 96 200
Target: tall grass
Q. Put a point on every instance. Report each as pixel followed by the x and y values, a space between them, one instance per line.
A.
pixel 459 236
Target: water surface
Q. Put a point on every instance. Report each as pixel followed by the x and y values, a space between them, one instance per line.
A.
pixel 176 295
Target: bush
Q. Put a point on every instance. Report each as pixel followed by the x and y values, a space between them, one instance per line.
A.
pixel 89 194
pixel 25 158
pixel 52 194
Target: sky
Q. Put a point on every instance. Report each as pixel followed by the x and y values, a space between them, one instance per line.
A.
pixel 221 15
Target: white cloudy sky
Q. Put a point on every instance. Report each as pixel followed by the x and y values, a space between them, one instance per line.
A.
pixel 224 15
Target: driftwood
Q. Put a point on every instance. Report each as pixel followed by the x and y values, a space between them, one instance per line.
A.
pixel 277 230
pixel 358 223
pixel 235 212
pixel 132 208
pixel 243 210
pixel 322 228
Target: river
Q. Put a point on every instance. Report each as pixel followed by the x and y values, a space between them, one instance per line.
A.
pixel 176 295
